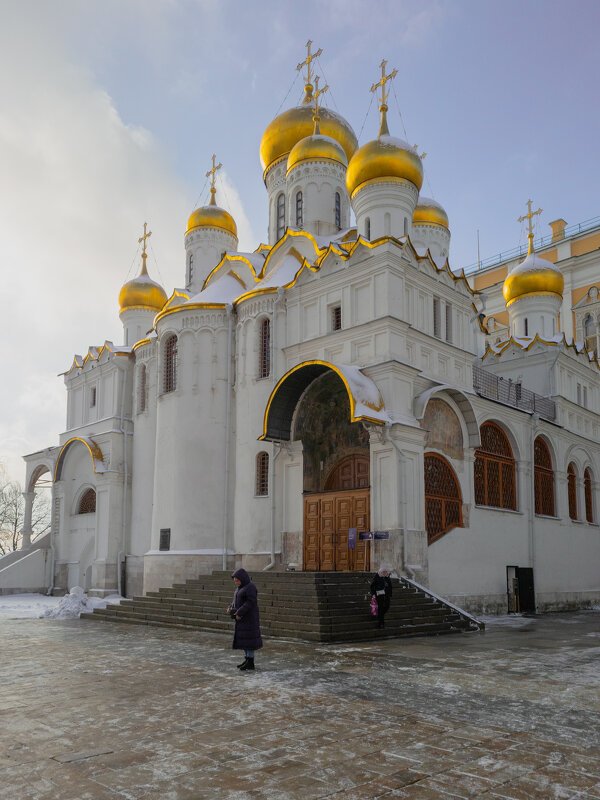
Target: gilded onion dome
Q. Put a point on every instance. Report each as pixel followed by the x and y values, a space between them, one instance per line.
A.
pixel 142 292
pixel 430 212
pixel 211 216
pixel 316 148
pixel 295 124
pixel 383 158
pixel 533 276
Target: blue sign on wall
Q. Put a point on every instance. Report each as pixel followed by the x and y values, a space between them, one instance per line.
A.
pixel 382 534
pixel 366 535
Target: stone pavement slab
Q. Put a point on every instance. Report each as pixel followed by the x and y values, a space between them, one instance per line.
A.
pixel 93 711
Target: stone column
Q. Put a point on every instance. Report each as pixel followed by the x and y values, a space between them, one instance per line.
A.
pixel 26 529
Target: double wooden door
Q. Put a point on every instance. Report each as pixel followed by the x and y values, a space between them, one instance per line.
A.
pixel 327 518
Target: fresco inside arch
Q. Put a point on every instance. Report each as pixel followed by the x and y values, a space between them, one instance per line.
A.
pixel 323 424
pixel 443 428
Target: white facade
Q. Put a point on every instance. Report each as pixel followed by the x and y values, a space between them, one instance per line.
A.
pixel 195 439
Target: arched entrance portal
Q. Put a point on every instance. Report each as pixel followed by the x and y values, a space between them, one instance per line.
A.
pixel 335 477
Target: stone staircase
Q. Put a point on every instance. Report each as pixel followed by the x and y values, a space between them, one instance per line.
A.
pixel 311 606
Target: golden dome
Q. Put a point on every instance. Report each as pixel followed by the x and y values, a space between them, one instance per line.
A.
pixel 295 124
pixel 316 148
pixel 429 212
pixel 142 292
pixel 212 216
pixel 535 275
pixel 384 157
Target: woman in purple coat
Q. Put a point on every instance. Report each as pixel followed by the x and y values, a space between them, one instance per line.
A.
pixel 244 610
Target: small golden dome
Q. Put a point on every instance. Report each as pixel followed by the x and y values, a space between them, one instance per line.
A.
pixel 384 157
pixel 212 216
pixel 142 292
pixel 429 212
pixel 316 148
pixel 295 124
pixel 533 276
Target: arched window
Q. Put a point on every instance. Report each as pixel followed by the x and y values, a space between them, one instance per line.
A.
pixel 368 228
pixel 495 469
pixel 443 500
pixel 338 211
pixel 589 332
pixel 587 490
pixel 262 474
pixel 280 215
pixel 190 268
pixel 543 478
pixel 142 389
pixel 87 504
pixel 170 365
pixel 298 209
pixel 264 349
pixel 525 327
pixel 572 490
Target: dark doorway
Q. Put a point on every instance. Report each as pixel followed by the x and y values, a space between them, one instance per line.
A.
pixel 520 590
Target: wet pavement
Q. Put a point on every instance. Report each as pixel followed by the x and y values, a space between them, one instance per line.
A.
pixel 92 711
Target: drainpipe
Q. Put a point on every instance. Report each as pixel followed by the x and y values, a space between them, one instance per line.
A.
pixel 401 453
pixel 534 425
pixel 229 311
pixel 275 455
pixel 123 550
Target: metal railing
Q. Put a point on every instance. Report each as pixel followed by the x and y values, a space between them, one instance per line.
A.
pixel 463 614
pixel 512 393
pixel 543 241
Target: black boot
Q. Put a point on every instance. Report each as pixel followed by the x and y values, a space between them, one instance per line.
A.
pixel 243 664
pixel 248 665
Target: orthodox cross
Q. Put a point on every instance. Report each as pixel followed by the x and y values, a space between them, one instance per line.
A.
pixel 317 93
pixel 383 127
pixel 142 239
pixel 529 217
pixel 212 172
pixel 306 63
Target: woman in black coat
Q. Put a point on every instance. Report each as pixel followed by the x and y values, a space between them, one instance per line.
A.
pixel 244 610
pixel 381 587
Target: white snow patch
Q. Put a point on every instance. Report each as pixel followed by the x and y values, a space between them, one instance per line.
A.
pixel 25 606
pixel 76 602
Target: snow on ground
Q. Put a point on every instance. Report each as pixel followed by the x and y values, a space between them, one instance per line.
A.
pixel 507 620
pixel 33 606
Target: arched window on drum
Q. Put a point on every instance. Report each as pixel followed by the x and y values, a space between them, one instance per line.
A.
pixel 543 478
pixel 495 469
pixel 443 499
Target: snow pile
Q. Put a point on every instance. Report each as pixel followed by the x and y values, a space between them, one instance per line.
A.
pixel 25 606
pixel 75 603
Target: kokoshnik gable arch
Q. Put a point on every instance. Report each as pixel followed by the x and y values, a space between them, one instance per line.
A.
pixel 366 403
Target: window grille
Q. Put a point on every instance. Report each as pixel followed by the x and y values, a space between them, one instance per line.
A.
pixel 142 389
pixel 494 469
pixel 572 490
pixel 336 318
pixel 298 209
pixel 338 211
pixel 92 397
pixel 280 215
pixel 448 322
pixel 262 474
pixel 264 358
pixel 190 268
pixel 443 499
pixel 587 490
pixel 170 366
pixel 437 318
pixel 543 478
pixel 87 504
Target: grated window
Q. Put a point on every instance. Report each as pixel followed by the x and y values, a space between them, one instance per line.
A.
pixel 170 365
pixel 280 215
pixel 87 504
pixel 543 478
pixel 572 490
pixel 443 499
pixel 262 474
pixel 264 359
pixel 494 469
pixel 336 318
pixel 298 209
pixel 142 389
pixel 338 211
pixel 587 490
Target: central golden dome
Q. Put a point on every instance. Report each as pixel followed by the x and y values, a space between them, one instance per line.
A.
pixel 533 276
pixel 316 148
pixel 430 212
pixel 384 157
pixel 212 216
pixel 142 292
pixel 295 124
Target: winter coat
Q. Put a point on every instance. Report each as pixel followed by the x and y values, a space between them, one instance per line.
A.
pixel 379 582
pixel 247 629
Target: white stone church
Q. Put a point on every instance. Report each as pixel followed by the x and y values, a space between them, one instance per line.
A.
pixel 336 378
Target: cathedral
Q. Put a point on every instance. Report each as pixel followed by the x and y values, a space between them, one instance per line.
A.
pixel 337 398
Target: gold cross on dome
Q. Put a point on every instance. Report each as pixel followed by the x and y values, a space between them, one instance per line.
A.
pixel 317 93
pixel 213 171
pixel 529 217
pixel 143 239
pixel 307 61
pixel 382 82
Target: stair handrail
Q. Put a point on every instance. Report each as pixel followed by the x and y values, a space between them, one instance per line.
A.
pixel 464 614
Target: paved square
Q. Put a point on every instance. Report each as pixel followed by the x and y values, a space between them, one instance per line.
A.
pixel 98 711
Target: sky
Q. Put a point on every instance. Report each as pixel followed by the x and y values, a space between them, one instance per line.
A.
pixel 111 110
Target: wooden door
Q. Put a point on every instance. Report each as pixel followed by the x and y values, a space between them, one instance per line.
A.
pixel 312 524
pixel 327 518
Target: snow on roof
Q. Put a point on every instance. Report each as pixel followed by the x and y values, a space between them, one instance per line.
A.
pixel 367 397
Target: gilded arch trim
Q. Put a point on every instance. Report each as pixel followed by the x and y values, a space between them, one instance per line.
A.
pixel 94 451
